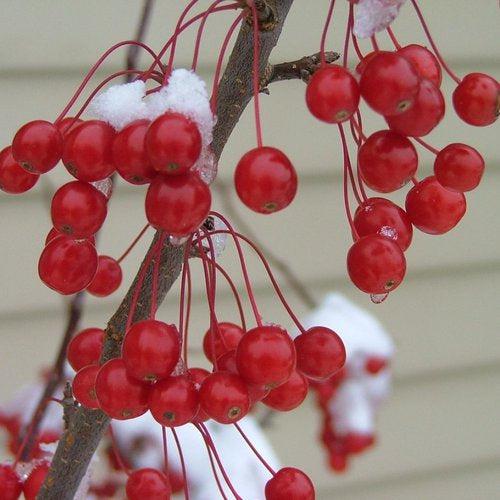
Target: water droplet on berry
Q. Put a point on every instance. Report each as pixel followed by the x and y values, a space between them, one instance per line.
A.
pixel 378 298
pixel 177 241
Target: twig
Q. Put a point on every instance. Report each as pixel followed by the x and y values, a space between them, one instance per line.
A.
pixel 302 69
pixel 86 427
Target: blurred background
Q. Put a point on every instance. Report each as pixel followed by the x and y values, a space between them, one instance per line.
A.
pixel 438 436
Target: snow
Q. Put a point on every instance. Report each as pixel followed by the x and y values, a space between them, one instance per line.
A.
pixel 359 396
pixel 372 16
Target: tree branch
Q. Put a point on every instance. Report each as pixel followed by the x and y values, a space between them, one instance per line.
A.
pixel 302 69
pixel 86 427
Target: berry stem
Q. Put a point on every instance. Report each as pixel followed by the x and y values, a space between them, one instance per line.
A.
pixel 426 145
pixel 133 244
pixel 256 74
pixel 116 451
pixel 393 38
pixel 356 46
pixel 252 447
pixel 350 21
pixel 420 16
pixel 185 281
pixel 165 448
pixel 373 39
pixel 322 44
pixel 183 463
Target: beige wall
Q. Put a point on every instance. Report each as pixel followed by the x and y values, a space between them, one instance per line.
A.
pixel 439 435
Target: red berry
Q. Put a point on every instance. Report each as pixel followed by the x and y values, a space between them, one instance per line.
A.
pixel 376 264
pixel 108 277
pixel 84 386
pixel 224 397
pixel 148 484
pixel 11 485
pixel 387 161
pixel 13 178
pixel 434 209
pixel 383 217
pixel 85 348
pixel 332 94
pixel 289 395
pixel 265 180
pixel 459 167
pixel 398 79
pixel 224 338
pixel 35 480
pixel 476 99
pixel 67 124
pixel 37 146
pixel 360 67
pixel 78 209
pixel 266 356
pixel 87 151
pixel 424 61
pixel 119 395
pixel 290 483
pixel 173 143
pixel 151 350
pixel 129 153
pixel 174 401
pixel 66 265
pixel 178 204
pixel 320 352
pixel 53 233
pixel 375 364
pixel 197 376
pixel 227 362
pixel 356 442
pixel 425 114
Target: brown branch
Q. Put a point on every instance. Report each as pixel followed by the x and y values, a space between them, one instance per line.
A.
pixel 302 69
pixel 86 427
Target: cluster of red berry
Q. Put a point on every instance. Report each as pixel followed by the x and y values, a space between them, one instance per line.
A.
pixel 262 364
pixel 160 153
pixel 404 87
pixel 13 486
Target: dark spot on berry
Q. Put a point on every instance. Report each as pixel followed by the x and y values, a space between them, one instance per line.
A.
pixel 170 416
pixel 234 412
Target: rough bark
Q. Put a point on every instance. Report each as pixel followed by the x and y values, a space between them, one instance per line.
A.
pixel 86 427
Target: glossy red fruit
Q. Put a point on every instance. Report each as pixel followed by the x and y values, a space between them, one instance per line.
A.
pixel 87 151
pixel 129 153
pixel 265 180
pixel 148 484
pixel 66 265
pixel 108 277
pixel 289 395
pixel 85 348
pixel 434 209
pixel 387 161
pixel 459 167
pixel 197 376
pixel 383 217
pixel 35 480
pixel 424 62
pixel 360 67
pixel 226 362
pixel 151 350
pixel 173 143
pixel 84 386
pixel 174 401
pixel 266 356
pixel 67 124
pixel 119 395
pixel 78 209
pixel 224 397
pixel 54 233
pixel 398 79
pixel 178 204
pixel 11 485
pixel 332 94
pixel 320 352
pixel 376 265
pixel 37 146
pixel 290 483
pixel 13 178
pixel 476 99
pixel 425 114
pixel 222 339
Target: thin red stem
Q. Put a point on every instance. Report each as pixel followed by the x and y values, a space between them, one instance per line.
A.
pixel 183 463
pixel 116 451
pixel 426 145
pixel 325 32
pixel 256 74
pixel 393 38
pixel 356 46
pixel 133 244
pixel 165 448
pixel 350 21
pixel 373 39
pixel 252 447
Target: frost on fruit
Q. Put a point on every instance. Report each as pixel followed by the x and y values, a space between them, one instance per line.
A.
pixel 206 166
pixel 372 16
pixel 388 232
pixel 105 186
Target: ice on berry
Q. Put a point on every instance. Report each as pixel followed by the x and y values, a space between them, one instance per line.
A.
pixel 121 104
pixel 206 166
pixel 372 16
pixel 378 298
pixel 105 186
